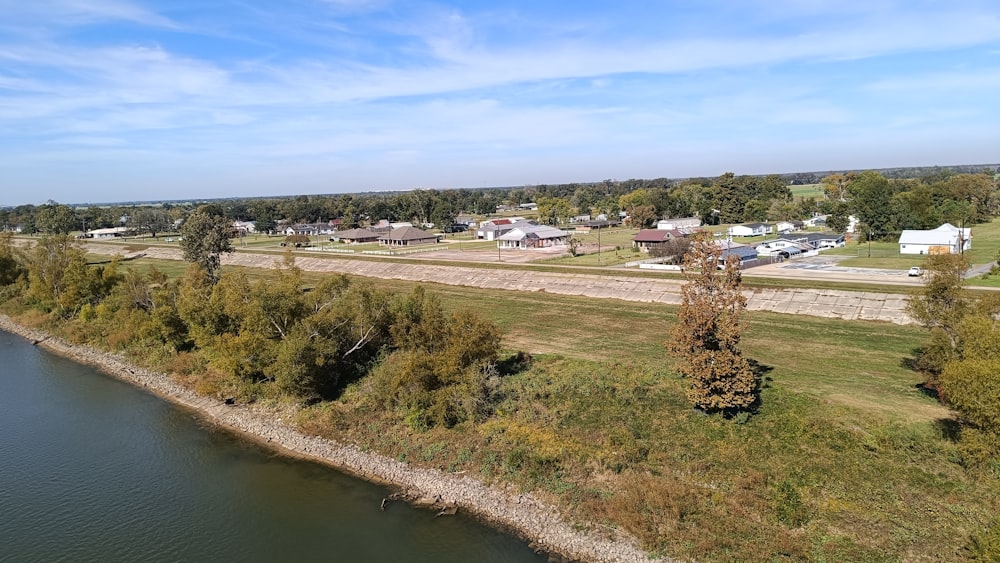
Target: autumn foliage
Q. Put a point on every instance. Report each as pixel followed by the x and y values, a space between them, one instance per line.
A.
pixel 706 338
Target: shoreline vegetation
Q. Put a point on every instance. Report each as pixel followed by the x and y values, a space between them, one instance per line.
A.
pixel 521 514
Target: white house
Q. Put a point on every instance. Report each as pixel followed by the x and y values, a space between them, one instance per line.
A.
pixel 244 227
pixel 784 227
pixel 815 221
pixel 678 223
pixel 749 230
pixel 526 234
pixel 107 233
pixel 852 223
pixel 946 239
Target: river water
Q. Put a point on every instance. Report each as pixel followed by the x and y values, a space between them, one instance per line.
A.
pixel 93 469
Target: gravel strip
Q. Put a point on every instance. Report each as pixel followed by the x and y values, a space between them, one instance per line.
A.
pixel 522 514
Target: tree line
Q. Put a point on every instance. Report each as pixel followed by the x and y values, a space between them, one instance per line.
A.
pixel 884 205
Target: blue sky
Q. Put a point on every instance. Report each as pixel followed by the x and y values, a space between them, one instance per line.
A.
pixel 110 100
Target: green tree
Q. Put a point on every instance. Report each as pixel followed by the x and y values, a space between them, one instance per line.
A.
pixel 56 219
pixel 151 220
pixel 11 260
pixel 205 236
pixel 59 278
pixel 553 210
pixel 443 371
pixel 871 198
pixel 941 305
pixel 706 337
pixel 837 220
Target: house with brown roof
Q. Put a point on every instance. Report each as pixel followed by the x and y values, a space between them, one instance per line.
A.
pixel 407 236
pixel 650 238
pixel 355 236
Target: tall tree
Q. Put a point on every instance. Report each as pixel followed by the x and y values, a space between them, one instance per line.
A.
pixel 871 198
pixel 56 219
pixel 205 236
pixel 706 338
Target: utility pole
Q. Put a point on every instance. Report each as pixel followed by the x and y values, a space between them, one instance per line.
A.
pixel 599 244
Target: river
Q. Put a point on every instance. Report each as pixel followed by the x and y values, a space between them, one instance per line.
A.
pixel 93 469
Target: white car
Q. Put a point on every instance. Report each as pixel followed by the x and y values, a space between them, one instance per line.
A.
pixel 915 272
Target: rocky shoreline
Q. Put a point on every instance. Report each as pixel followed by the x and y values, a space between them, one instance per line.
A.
pixel 521 514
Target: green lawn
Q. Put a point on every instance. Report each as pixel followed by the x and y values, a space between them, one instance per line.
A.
pixel 808 190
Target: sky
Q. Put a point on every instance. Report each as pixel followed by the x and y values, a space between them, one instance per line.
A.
pixel 125 100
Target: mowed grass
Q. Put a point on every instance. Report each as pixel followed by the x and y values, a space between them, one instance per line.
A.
pixel 803 191
pixel 845 461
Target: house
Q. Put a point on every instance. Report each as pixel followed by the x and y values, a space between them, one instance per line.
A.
pixel 946 239
pixel 301 229
pixel 588 226
pixel 650 238
pixel 466 220
pixel 852 223
pixel 355 236
pixel 325 228
pixel 579 219
pixel 490 230
pixel 816 241
pixel 783 248
pixel 678 223
pixel 784 227
pixel 528 206
pixel 526 234
pixel 749 230
pixel 406 236
pixel 112 232
pixel 244 227
pixel 746 255
pixel 816 221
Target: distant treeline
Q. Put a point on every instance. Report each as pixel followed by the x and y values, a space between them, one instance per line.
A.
pixel 899 198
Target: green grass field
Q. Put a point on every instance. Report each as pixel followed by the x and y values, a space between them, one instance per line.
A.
pixel 846 460
pixel 808 190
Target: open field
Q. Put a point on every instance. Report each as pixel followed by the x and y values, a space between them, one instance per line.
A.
pixel 808 190
pixel 846 460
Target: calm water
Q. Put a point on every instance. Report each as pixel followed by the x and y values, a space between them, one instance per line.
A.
pixel 92 469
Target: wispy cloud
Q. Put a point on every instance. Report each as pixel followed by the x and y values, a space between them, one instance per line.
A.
pixel 339 85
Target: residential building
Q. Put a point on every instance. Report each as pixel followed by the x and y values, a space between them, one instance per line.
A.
pixel 946 239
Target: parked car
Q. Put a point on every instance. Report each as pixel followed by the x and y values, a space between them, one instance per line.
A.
pixel 915 271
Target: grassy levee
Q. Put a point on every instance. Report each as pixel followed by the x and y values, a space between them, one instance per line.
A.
pixel 846 459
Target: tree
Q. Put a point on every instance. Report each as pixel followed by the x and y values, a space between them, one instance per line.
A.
pixel 552 210
pixel 641 216
pixel 837 220
pixel 941 305
pixel 205 236
pixel 150 220
pixel 59 278
pixel 706 337
pixel 871 198
pixel 835 185
pixel 11 260
pixel 56 219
